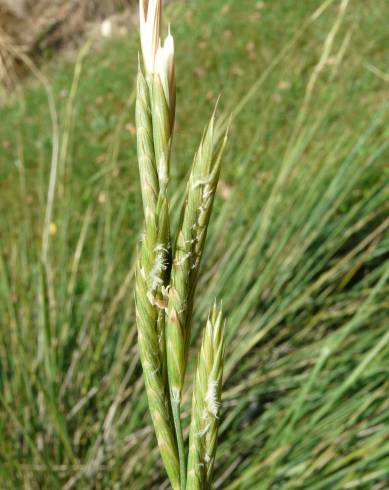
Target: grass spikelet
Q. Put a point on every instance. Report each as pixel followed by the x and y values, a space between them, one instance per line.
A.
pixel 149 280
pixel 206 404
pixel 186 264
pixel 188 252
pixel 152 275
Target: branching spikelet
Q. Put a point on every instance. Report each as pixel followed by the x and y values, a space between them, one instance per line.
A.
pixel 206 405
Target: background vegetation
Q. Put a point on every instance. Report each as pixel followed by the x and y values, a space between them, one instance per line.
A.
pixel 296 251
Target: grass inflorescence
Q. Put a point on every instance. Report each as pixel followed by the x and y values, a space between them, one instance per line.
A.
pixel 296 249
pixel 167 275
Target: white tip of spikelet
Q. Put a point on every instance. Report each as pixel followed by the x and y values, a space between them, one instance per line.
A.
pixel 149 20
pixel 164 67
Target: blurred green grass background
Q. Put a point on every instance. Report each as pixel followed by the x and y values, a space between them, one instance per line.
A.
pixel 296 251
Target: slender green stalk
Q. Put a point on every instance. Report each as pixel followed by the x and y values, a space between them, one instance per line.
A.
pixel 180 442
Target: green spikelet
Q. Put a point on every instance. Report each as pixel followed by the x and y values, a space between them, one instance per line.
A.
pixel 188 252
pixel 151 355
pixel 151 280
pixel 206 405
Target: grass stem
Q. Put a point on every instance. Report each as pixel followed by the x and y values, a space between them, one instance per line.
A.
pixel 180 442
